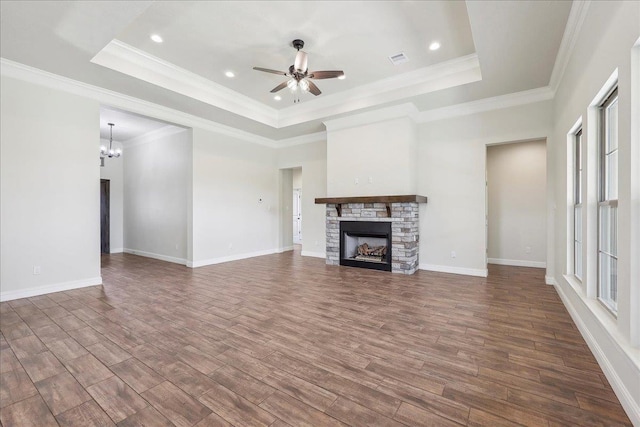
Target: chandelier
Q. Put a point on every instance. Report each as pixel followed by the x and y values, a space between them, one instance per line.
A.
pixel 111 153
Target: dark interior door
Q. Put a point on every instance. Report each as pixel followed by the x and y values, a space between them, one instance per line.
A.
pixel 104 216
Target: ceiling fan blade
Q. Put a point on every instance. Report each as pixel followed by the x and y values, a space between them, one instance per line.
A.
pixel 314 89
pixel 267 70
pixel 279 87
pixel 325 74
pixel 300 63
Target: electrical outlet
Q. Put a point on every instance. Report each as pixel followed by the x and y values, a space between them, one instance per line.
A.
pixel 316 243
pixel 370 180
pixel 453 254
pixel 527 250
pixel 36 269
pixel 357 181
pixel 230 245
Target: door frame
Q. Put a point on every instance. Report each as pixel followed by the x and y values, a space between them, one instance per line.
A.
pixel 105 217
pixel 297 239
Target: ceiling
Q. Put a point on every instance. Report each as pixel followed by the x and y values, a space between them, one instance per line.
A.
pixel 488 48
pixel 127 125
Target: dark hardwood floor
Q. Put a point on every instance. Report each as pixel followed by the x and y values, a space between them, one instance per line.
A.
pixel 284 340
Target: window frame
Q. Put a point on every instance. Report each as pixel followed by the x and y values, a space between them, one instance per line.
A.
pixel 604 199
pixel 577 203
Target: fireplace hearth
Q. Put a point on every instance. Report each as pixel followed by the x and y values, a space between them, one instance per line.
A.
pixel 365 244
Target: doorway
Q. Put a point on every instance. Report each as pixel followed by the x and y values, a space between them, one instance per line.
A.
pixel 516 201
pixel 297 216
pixel 291 210
pixel 105 196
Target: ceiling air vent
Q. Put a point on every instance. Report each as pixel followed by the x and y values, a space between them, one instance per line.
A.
pixel 398 58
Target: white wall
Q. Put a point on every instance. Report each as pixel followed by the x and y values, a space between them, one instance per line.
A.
pixel 157 171
pixel 49 190
pixel 313 160
pixel 113 171
pixel 516 186
pixel 375 159
pixel 230 177
pixel 452 159
pixel 297 177
pixel 605 43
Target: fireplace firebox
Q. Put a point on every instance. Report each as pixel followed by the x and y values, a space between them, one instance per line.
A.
pixel 365 244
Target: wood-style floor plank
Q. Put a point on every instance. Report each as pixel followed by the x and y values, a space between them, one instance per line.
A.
pixel 284 340
pixel 28 412
pixel 88 414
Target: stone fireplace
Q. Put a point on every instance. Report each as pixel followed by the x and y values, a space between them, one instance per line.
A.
pixel 398 214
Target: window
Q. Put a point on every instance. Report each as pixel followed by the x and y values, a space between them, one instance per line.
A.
pixel 608 203
pixel 577 205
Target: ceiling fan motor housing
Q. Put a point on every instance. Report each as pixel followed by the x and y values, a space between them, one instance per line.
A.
pixel 298 44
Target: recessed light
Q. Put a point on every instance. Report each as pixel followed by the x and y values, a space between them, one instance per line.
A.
pixel 156 38
pixel 229 74
pixel 434 46
pixel 342 77
pixel 277 97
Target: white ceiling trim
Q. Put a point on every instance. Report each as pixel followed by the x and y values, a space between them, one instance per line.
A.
pixel 129 60
pixel 408 110
pixel 303 139
pixel 137 63
pixel 577 15
pixel 33 75
pixel 487 104
pixel 124 102
pixel 447 74
pixel 154 135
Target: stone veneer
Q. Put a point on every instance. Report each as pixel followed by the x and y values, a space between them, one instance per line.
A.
pixel 404 231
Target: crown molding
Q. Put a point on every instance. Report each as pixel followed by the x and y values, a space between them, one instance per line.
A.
pixel 302 139
pixel 577 15
pixel 33 75
pixel 440 76
pixel 487 104
pixel 408 110
pixel 137 63
pixel 154 135
pixel 29 74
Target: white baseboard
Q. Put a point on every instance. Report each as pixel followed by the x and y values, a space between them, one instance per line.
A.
pixel 285 249
pixel 116 251
pixel 455 270
pixel 202 263
pixel 550 280
pixel 616 352
pixel 517 262
pixel 313 254
pixel 156 256
pixel 48 289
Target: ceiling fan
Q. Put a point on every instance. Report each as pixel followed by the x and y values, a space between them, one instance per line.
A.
pixel 300 75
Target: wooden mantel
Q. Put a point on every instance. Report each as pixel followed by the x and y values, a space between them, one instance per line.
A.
pixel 372 199
pixel 387 200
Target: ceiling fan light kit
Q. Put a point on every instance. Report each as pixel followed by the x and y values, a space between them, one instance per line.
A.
pixel 299 74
